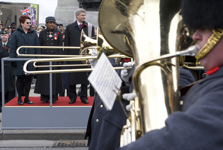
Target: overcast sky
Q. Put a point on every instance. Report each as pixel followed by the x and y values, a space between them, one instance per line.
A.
pixel 46 7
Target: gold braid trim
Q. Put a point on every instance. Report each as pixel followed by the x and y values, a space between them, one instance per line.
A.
pixel 211 43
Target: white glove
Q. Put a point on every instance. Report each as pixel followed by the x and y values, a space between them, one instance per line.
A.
pixel 93 62
pixel 129 97
pixel 125 73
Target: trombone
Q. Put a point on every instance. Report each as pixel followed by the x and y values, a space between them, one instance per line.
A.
pixel 66 59
pixel 87 45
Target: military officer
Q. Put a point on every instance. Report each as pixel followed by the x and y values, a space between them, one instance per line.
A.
pixel 104 127
pixel 199 125
pixel 49 37
pixel 8 69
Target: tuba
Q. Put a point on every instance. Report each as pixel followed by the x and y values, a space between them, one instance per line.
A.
pixel 146 30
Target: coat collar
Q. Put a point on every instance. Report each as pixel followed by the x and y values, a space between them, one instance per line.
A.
pixel 51 31
pixel 217 74
pixel 76 24
pixel 21 30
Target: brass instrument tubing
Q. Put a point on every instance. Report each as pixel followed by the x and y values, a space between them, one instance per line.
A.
pixel 67 65
pixel 64 70
pixel 49 47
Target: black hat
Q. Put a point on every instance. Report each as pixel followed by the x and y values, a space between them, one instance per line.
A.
pixel 203 13
pixel 50 19
pixel 60 24
pixel 12 23
pixel 1 23
pixel 5 32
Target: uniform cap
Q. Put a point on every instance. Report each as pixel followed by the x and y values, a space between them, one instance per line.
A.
pixel 5 32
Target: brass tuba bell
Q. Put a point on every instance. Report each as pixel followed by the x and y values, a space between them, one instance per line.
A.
pixel 146 30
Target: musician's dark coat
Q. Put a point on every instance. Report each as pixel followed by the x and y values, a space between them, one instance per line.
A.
pixel 42 82
pixel 198 127
pixel 20 38
pixel 8 70
pixel 72 38
pixel 186 77
pixel 104 127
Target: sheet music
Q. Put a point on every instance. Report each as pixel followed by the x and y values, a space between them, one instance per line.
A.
pixel 105 81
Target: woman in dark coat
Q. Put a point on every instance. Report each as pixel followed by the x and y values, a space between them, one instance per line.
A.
pixel 23 36
pixel 49 37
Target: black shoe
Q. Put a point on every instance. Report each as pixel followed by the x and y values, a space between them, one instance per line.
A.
pixel 84 101
pixel 28 101
pixel 72 101
pixel 54 102
pixel 20 101
pixel 46 102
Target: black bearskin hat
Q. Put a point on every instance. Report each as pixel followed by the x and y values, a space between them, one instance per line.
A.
pixel 203 13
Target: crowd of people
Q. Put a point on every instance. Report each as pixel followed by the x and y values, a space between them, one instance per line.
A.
pixel 52 34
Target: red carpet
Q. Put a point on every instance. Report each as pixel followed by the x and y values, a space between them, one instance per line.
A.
pixel 62 101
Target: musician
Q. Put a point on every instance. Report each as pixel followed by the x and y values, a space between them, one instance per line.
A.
pixel 72 38
pixel 199 125
pixel 23 36
pixel 49 37
pixel 104 127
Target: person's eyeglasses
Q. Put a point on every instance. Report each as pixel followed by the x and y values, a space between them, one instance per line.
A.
pixel 28 22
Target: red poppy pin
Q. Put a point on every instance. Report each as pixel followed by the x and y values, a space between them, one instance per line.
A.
pixel 58 33
pixel 126 59
pixel 85 24
pixel 5 47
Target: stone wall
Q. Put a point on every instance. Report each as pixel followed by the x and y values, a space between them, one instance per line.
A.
pixel 65 13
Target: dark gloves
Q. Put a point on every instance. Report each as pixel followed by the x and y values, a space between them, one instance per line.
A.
pixel 13 64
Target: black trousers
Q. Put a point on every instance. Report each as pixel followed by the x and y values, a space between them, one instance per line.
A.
pixel 46 98
pixel 73 94
pixel 91 90
pixel 8 96
pixel 20 85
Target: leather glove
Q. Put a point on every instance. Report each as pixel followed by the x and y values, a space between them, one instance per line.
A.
pixel 13 64
pixel 125 73
pixel 93 62
pixel 129 97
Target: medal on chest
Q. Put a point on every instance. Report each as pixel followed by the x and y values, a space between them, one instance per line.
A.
pixel 55 35
pixel 50 35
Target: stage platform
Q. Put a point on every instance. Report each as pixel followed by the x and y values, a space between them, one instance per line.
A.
pixel 61 102
pixel 40 115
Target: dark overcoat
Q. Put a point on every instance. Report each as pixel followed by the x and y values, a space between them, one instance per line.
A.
pixel 72 38
pixel 20 38
pixel 8 70
pixel 104 127
pixel 186 77
pixel 197 127
pixel 46 38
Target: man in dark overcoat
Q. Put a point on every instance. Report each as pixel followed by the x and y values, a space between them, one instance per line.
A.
pixel 8 69
pixel 49 37
pixel 199 125
pixel 72 38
